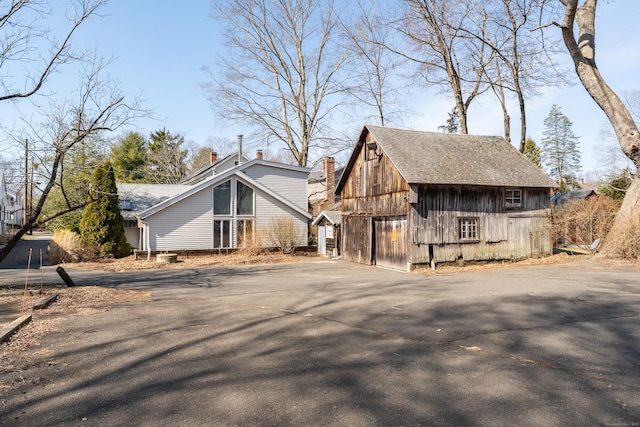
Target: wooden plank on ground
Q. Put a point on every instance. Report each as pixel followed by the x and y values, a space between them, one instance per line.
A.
pixel 45 302
pixel 12 327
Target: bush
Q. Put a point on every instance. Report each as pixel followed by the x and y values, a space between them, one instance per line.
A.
pixel 624 242
pixel 583 221
pixel 283 234
pixel 67 247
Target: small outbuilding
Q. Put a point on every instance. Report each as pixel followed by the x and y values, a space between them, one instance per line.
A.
pixel 328 223
pixel 412 197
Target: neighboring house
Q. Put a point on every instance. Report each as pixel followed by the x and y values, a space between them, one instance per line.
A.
pixel 217 166
pixel 227 208
pixel 10 207
pixel 558 199
pixel 321 186
pixel 328 223
pixel 411 197
pixel 135 198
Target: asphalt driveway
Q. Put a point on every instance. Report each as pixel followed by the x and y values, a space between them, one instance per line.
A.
pixel 335 343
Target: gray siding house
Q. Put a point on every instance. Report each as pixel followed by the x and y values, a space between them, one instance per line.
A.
pixel 227 209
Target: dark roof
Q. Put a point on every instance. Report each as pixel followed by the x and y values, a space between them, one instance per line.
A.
pixel 445 158
pixel 318 176
pixel 560 198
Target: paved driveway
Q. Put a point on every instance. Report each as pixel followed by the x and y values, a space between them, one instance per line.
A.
pixel 336 343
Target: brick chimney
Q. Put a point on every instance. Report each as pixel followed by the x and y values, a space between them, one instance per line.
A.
pixel 329 169
pixel 259 154
pixel 213 157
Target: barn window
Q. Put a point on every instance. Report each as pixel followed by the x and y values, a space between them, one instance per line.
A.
pixel 468 228
pixel 513 198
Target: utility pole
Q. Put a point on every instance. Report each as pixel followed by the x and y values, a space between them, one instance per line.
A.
pixel 26 182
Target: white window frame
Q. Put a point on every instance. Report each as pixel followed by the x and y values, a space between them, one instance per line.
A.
pixel 468 229
pixel 513 198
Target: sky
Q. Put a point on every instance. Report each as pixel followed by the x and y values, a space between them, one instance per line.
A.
pixel 160 48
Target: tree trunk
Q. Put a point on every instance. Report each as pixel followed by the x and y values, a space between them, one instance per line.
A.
pixel 583 55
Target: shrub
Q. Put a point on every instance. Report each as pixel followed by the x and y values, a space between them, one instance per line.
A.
pixel 624 242
pixel 583 221
pixel 283 234
pixel 251 244
pixel 67 247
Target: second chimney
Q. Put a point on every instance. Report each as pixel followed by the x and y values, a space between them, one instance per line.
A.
pixel 213 158
pixel 329 169
pixel 259 154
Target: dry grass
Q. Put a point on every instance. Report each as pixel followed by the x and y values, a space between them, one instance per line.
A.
pixel 241 257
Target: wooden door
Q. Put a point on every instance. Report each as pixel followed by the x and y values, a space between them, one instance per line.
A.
pixel 390 237
pixel 322 240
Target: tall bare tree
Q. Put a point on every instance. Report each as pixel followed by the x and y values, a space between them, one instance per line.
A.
pixel 446 56
pixel 582 48
pixel 281 71
pixel 98 106
pixel 375 83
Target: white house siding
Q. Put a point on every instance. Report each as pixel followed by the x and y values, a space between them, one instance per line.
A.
pixel 185 225
pixel 290 184
pixel 269 209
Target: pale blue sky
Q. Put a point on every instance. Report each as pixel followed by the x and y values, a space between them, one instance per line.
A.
pixel 160 47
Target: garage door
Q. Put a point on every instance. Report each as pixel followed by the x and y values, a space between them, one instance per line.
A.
pixel 390 236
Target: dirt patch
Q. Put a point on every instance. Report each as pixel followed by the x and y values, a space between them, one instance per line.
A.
pixel 16 353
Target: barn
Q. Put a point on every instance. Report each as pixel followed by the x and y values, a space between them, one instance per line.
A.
pixel 412 197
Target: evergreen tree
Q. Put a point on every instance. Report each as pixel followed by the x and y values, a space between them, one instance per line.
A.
pixel 532 152
pixel 166 158
pixel 453 122
pixel 560 152
pixel 128 158
pixel 102 223
pixel 76 173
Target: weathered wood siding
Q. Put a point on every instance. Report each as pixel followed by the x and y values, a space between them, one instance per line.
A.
pixel 502 233
pixel 374 206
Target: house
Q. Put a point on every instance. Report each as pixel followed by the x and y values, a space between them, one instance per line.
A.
pixel 10 207
pixel 411 197
pixel 321 186
pixel 568 229
pixel 135 198
pixel 328 223
pixel 227 209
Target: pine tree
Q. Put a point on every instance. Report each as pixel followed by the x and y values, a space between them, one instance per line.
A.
pixel 532 152
pixel 453 122
pixel 560 152
pixel 102 223
pixel 128 157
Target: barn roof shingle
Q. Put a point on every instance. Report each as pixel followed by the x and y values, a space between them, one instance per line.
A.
pixel 444 158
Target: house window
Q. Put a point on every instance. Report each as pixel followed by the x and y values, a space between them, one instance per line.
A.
pixel 329 231
pixel 245 232
pixel 245 199
pixel 512 198
pixel 222 234
pixel 468 228
pixel 222 199
pixel 130 223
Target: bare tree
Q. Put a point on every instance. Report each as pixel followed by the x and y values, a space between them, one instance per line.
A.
pixel 520 63
pixel 375 84
pixel 24 32
pixel 583 52
pixel 446 55
pixel 98 106
pixel 281 72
